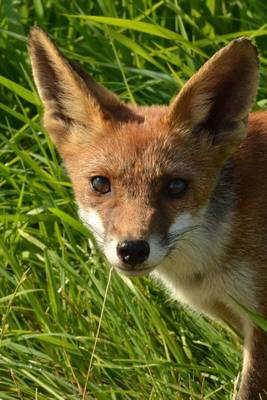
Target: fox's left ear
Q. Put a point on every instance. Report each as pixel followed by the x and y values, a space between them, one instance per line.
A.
pixel 216 101
pixel 70 96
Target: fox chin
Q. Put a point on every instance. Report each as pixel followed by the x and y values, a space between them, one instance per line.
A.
pixel 175 191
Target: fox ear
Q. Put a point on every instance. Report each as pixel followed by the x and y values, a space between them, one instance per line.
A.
pixel 216 101
pixel 70 96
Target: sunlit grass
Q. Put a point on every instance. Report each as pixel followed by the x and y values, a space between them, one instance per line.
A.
pixel 52 283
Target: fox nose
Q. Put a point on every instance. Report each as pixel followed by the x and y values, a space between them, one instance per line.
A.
pixel 133 252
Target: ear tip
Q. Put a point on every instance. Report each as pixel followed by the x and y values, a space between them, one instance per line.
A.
pixel 35 32
pixel 245 43
pixel 243 40
pixel 37 35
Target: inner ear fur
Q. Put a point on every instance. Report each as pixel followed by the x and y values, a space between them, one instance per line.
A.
pixel 70 96
pixel 218 98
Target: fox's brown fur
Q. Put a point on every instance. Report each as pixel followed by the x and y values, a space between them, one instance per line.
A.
pixel 206 142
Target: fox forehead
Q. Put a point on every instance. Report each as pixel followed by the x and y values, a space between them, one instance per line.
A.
pixel 123 143
pixel 143 152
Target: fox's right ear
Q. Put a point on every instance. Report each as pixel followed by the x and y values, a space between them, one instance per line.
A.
pixel 216 101
pixel 71 97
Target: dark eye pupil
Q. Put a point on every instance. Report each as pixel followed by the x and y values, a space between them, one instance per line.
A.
pixel 176 188
pixel 100 184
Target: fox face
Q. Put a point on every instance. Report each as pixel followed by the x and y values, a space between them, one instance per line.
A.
pixel 142 189
pixel 144 177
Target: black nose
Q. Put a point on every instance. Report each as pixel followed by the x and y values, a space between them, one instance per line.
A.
pixel 133 252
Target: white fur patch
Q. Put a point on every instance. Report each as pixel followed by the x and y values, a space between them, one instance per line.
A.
pixel 193 245
pixel 92 219
pixel 110 250
pixel 182 223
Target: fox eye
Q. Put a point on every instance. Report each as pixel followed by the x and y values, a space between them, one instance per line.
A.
pixel 100 184
pixel 176 188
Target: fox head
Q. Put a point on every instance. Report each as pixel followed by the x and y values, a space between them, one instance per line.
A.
pixel 144 176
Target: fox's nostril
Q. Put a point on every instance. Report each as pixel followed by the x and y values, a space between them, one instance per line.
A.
pixel 133 252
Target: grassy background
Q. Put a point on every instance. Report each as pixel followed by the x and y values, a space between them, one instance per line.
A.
pixel 52 283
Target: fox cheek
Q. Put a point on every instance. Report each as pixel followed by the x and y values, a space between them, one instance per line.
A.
pixel 185 223
pixel 93 221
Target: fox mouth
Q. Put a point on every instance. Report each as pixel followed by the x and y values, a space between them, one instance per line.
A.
pixel 134 271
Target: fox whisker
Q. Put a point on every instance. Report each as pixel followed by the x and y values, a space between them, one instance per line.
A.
pixel 174 237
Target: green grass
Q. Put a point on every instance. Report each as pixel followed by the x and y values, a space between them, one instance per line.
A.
pixel 52 283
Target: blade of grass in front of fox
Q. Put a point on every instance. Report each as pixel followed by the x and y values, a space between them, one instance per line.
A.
pixel 97 333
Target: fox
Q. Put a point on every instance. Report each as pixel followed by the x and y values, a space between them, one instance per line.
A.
pixel 174 191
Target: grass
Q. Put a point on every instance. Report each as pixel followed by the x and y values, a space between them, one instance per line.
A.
pixel 52 283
